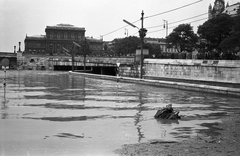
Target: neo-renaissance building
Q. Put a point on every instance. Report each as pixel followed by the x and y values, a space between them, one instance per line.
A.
pixel 59 37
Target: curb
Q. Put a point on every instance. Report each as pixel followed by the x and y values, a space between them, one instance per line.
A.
pixel 169 84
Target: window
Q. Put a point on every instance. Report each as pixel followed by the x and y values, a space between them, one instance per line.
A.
pixel 51 35
pixel 79 36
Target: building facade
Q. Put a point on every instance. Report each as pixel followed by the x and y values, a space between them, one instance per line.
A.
pixel 220 8
pixel 95 45
pixel 232 9
pixel 162 44
pixel 57 38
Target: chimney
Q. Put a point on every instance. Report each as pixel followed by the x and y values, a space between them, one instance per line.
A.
pixel 19 46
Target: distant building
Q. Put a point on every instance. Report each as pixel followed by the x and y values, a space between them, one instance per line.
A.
pixel 95 45
pixel 162 43
pixel 232 9
pixel 59 37
pixel 35 44
pixel 219 8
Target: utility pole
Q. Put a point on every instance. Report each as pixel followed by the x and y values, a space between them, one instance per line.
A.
pixel 73 47
pixel 142 41
pixel 84 54
pixel 142 34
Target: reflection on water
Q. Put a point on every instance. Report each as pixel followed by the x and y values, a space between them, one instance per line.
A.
pixel 98 115
pixel 138 117
pixel 4 104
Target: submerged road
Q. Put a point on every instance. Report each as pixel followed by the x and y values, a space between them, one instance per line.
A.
pixel 54 113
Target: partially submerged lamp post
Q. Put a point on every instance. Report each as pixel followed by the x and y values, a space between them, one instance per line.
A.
pixel 5 63
pixel 67 52
pixel 142 34
pixel 77 45
pixel 118 65
pixel 85 48
pixel 72 53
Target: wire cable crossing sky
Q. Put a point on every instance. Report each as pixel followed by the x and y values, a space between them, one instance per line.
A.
pixel 157 15
pixel 174 9
pixel 100 18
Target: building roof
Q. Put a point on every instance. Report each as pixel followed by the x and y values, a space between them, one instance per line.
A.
pixel 91 39
pixel 36 37
pixel 155 40
pixel 65 27
pixel 7 54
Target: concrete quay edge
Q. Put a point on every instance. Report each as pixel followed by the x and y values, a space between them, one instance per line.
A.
pixel 169 84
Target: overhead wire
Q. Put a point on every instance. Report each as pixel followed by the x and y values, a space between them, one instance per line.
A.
pixel 119 29
pixel 178 21
pixel 154 16
pixel 173 9
pixel 177 26
pixel 181 21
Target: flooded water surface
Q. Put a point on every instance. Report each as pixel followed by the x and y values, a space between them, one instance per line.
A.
pixel 53 113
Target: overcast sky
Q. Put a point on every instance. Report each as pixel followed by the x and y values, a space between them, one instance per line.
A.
pixel 19 18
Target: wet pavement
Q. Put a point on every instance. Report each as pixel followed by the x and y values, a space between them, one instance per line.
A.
pixel 53 113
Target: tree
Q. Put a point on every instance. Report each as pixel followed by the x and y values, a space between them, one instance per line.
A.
pixel 215 30
pixel 84 50
pixel 183 38
pixel 232 43
pixel 154 50
pixel 126 46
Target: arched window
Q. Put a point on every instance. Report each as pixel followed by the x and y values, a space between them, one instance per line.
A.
pixel 79 36
pixel 51 35
pixel 65 35
pixel 58 36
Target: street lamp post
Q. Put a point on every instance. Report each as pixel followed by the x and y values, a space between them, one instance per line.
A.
pixel 117 71
pixel 73 48
pixel 126 32
pixel 73 53
pixel 166 22
pixel 118 65
pixel 51 50
pixel 142 34
pixel 142 41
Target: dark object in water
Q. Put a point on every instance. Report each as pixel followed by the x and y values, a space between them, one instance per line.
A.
pixel 167 113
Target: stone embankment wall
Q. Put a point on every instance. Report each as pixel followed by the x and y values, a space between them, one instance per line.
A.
pixel 224 71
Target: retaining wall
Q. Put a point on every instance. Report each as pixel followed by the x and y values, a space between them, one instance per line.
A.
pixel 156 83
pixel 223 71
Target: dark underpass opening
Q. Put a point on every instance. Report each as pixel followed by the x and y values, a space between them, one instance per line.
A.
pixel 93 70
